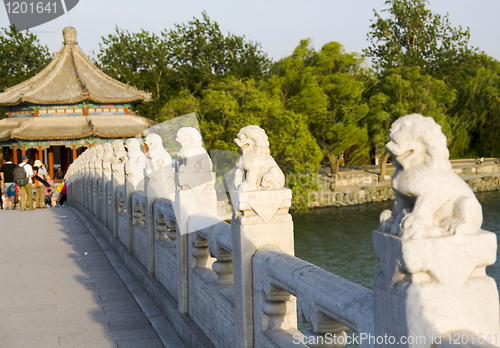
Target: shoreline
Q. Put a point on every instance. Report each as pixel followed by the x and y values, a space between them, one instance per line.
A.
pixel 479 177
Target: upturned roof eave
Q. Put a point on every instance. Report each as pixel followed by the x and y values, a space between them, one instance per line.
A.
pixel 64 70
pixel 74 101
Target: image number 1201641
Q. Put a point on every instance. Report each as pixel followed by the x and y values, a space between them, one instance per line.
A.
pixel 31 13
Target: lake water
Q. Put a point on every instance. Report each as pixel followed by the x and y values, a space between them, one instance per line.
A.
pixel 340 239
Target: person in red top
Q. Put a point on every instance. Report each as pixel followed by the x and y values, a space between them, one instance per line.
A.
pixel 48 190
pixel 63 194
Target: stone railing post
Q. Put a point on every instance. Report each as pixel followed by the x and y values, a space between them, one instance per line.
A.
pixel 196 193
pixel 106 177
pixel 159 182
pixel 261 217
pixel 90 179
pixel 431 248
pixel 95 184
pixel 117 179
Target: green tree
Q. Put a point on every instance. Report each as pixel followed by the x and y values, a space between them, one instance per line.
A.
pixel 187 58
pixel 199 53
pixel 21 57
pixel 327 86
pixel 476 122
pixel 401 92
pixel 414 36
pixel 230 104
pixel 139 59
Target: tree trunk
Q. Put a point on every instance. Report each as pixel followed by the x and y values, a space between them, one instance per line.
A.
pixel 334 168
pixel 334 164
pixel 383 164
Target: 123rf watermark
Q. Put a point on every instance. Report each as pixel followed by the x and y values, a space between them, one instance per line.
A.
pixel 457 338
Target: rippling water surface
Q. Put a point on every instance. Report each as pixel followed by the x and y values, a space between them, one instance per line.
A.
pixel 340 240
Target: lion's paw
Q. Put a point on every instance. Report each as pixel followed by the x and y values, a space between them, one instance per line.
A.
pixel 385 215
pixel 413 225
pixel 385 220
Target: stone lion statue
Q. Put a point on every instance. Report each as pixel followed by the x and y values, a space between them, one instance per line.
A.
pixel 108 153
pixel 256 168
pixel 92 157
pixel 192 150
pixel 99 153
pixel 157 154
pixel 431 201
pixel 119 153
pixel 137 160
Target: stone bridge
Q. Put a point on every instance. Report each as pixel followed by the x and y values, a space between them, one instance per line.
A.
pixel 234 282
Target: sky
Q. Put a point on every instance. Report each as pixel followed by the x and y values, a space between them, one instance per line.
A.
pixel 278 25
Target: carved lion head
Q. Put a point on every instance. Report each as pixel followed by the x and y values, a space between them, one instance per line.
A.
pixel 153 141
pixel 417 140
pixel 132 144
pixel 189 136
pixel 252 139
pixel 118 145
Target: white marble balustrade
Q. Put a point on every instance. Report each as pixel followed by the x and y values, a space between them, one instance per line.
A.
pixel 239 284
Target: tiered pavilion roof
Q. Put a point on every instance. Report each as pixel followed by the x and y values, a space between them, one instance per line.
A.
pixel 70 103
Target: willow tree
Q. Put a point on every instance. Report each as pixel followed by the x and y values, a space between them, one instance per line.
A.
pixel 327 86
pixel 402 92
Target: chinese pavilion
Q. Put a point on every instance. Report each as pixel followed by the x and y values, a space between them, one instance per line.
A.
pixel 67 107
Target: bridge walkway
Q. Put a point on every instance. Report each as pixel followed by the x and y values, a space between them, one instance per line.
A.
pixel 62 287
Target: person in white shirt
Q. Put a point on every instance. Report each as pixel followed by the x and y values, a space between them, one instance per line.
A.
pixel 26 190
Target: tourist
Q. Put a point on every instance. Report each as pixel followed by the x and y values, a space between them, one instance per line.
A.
pixel 48 190
pixel 59 174
pixel 8 184
pixel 39 186
pixel 26 191
pixel 63 194
pixel 42 171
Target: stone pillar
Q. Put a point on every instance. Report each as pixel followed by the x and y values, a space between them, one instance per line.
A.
pixel 97 209
pixel 436 286
pixel 135 181
pixel 260 203
pixel 90 181
pixel 106 177
pixel 158 182
pixel 117 179
pixel 261 218
pixel 196 193
pixel 431 248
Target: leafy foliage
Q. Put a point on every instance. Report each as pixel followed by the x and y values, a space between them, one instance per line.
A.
pixel 405 91
pixel 414 36
pixel 21 57
pixel 139 59
pixel 327 86
pixel 187 58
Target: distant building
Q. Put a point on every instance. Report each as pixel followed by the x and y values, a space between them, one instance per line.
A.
pixel 66 108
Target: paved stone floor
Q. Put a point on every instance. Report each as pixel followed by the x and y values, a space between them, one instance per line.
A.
pixel 58 288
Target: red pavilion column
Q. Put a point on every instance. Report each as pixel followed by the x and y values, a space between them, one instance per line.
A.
pixel 50 165
pixel 14 155
pixel 74 153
